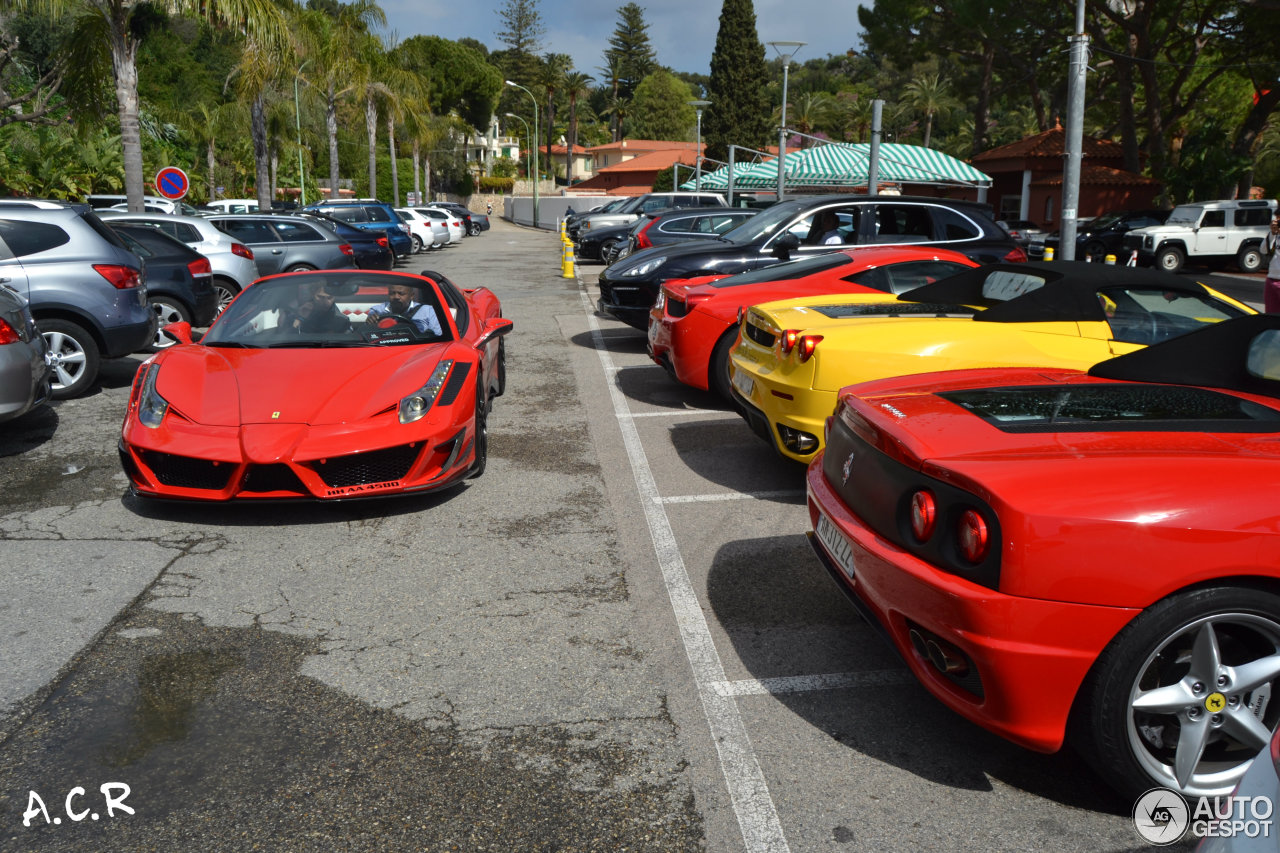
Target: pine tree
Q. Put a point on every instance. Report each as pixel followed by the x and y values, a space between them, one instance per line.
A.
pixel 522 31
pixel 630 46
pixel 738 89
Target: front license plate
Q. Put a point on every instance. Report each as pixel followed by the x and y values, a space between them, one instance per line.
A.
pixel 836 544
pixel 744 383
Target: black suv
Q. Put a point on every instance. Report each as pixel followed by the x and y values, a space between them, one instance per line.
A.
pixel 1099 237
pixel 791 229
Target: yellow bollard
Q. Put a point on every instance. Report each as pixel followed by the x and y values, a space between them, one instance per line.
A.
pixel 566 262
pixel 1048 253
pixel 1111 260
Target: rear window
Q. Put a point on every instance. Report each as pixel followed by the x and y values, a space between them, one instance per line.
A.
pixel 247 230
pixel 953 226
pixel 1135 407
pixel 377 214
pixel 30 238
pixel 348 214
pixel 297 232
pixel 1253 216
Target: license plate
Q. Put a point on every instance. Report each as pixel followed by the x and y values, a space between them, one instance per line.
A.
pixel 836 544
pixel 744 383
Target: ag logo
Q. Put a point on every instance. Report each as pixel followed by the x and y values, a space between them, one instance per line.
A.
pixel 1160 816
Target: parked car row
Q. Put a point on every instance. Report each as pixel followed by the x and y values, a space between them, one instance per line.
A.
pixel 1027 529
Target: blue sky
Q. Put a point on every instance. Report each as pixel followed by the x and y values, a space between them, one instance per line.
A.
pixel 683 32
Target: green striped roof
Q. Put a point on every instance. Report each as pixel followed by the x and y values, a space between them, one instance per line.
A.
pixel 838 164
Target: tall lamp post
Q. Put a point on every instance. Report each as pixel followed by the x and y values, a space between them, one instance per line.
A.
pixel 697 154
pixel 534 146
pixel 297 118
pixel 785 50
pixel 527 157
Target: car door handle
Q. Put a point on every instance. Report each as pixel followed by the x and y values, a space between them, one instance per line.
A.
pixel 277 251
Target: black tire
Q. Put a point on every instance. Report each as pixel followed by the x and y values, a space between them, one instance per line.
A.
pixel 481 434
pixel 75 354
pixel 475 229
pixel 302 268
pixel 1171 667
pixel 226 289
pixel 417 243
pixel 169 310
pixel 1249 258
pixel 1095 250
pixel 718 367
pixel 1170 259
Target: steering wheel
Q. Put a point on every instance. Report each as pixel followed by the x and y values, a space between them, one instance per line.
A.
pixel 387 321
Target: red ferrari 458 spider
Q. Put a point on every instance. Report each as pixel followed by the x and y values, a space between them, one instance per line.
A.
pixel 694 322
pixel 1065 556
pixel 330 385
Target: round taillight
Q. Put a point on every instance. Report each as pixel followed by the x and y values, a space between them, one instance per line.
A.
pixel 924 513
pixel 973 535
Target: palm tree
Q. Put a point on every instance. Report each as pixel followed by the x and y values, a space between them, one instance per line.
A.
pixel 206 123
pixel 577 85
pixel 810 112
pixel 329 42
pixel 551 74
pixel 929 94
pixel 261 20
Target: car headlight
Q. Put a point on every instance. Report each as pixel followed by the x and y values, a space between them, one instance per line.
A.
pixel 646 267
pixel 416 405
pixel 151 406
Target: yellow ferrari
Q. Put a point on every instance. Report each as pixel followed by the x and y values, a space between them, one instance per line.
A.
pixel 792 357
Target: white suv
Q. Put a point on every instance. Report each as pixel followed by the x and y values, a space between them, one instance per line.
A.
pixel 1209 232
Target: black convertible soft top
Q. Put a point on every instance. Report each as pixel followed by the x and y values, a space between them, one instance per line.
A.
pixel 1036 292
pixel 1241 354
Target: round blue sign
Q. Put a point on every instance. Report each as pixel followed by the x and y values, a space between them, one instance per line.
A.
pixel 172 183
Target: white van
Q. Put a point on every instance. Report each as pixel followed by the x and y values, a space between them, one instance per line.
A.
pixel 232 205
pixel 152 204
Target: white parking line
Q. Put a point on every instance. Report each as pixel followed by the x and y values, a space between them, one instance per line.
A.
pixel 731 496
pixel 805 683
pixel 673 412
pixel 756 813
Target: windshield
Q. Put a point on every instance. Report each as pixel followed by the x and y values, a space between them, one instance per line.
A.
pixel 332 309
pixel 763 224
pixel 1187 214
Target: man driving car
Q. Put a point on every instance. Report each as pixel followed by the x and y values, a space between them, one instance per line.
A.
pixel 400 303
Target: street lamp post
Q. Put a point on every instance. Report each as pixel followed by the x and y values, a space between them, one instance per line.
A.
pixel 527 157
pixel 534 146
pixel 697 154
pixel 297 118
pixel 785 50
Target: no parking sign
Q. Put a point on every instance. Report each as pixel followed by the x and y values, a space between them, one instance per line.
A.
pixel 172 183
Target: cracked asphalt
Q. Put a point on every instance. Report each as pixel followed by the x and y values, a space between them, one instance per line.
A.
pixel 472 670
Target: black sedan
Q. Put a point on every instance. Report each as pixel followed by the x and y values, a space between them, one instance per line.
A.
pixel 179 279
pixel 792 229
pixel 1097 238
pixel 596 245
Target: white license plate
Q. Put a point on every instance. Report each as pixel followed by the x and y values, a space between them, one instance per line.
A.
pixel 744 383
pixel 836 544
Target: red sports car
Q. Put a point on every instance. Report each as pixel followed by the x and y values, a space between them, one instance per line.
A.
pixel 1061 555
pixel 330 385
pixel 694 322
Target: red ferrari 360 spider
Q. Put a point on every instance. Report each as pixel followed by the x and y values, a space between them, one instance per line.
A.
pixel 694 322
pixel 1061 555
pixel 330 385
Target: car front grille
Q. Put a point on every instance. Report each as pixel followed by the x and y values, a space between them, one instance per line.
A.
pixel 272 478
pixel 184 472
pixel 376 466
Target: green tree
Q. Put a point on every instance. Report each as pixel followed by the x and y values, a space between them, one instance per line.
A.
pixel 521 31
pixel 929 94
pixel 116 23
pixel 739 111
pixel 576 86
pixel 551 76
pixel 629 46
pixel 660 108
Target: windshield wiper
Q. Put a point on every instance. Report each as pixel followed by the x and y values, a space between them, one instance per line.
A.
pixel 229 345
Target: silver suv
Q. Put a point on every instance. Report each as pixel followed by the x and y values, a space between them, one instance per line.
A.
pixel 642 204
pixel 87 291
pixel 1210 232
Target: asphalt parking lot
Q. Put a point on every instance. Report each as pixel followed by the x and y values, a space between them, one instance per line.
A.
pixel 616 639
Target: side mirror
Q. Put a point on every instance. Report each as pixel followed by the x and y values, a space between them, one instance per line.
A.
pixel 496 329
pixel 785 245
pixel 181 332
